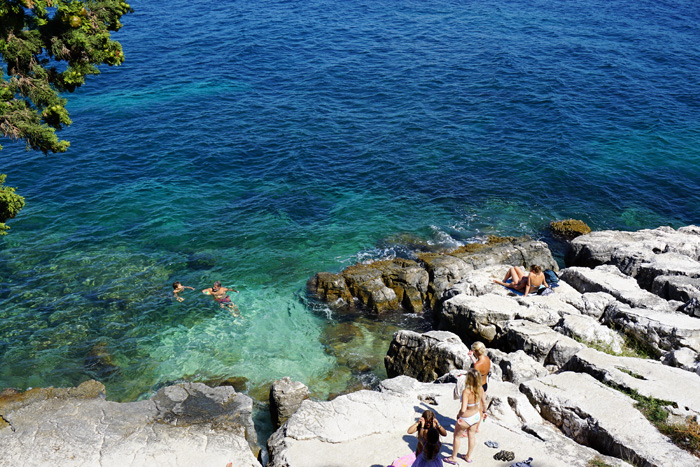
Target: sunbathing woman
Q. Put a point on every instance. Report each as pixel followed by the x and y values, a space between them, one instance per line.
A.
pixel 524 282
pixel 468 417
pixel 424 423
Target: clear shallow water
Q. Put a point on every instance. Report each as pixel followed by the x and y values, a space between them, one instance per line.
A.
pixel 261 142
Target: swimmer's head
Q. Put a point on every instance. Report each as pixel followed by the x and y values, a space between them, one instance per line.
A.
pixel 176 285
pixel 217 285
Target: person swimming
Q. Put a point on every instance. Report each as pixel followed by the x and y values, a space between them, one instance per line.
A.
pixel 177 288
pixel 221 296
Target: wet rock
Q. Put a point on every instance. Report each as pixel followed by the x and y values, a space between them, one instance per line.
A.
pixel 569 228
pixel 286 397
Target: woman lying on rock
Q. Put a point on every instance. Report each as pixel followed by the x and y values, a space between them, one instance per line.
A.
pixel 523 282
pixel 468 417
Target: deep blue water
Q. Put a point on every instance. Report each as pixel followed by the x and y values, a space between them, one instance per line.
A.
pixel 261 142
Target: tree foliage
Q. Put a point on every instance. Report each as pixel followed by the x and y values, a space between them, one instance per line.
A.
pixel 48 48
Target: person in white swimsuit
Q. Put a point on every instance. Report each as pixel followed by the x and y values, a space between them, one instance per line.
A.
pixel 468 417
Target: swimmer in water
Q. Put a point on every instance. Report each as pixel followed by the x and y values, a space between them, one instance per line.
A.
pixel 220 295
pixel 177 288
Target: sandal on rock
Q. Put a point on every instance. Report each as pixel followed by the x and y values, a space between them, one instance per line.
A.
pixel 464 458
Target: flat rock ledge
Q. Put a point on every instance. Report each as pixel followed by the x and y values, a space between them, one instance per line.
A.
pixel 412 285
pixel 182 425
pixel 368 428
pixel 600 417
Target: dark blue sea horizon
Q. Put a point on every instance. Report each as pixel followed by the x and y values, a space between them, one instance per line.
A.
pixel 258 143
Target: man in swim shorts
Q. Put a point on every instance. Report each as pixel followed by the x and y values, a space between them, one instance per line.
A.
pixel 220 295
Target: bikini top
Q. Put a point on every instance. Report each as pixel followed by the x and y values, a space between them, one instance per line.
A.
pixel 470 405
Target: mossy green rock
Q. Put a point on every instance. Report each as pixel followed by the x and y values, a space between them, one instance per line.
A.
pixel 569 228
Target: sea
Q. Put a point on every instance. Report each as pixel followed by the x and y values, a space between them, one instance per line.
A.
pixel 260 142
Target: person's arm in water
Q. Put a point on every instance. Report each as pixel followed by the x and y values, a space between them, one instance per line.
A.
pixel 207 291
pixel 226 289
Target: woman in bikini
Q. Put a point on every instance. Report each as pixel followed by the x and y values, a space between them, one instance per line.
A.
pixel 425 423
pixel 522 282
pixel 468 417
pixel 482 363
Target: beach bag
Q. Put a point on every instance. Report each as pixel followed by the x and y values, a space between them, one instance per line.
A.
pixel 405 461
pixel 459 387
pixel 551 278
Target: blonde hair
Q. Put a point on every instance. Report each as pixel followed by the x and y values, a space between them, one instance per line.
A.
pixel 536 269
pixel 479 348
pixel 473 382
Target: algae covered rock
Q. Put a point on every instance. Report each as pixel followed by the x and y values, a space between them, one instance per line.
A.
pixel 569 228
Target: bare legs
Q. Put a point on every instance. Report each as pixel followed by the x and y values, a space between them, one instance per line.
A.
pixel 515 274
pixel 460 429
pixel 482 407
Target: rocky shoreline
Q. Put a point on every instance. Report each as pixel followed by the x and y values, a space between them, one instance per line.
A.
pixel 570 370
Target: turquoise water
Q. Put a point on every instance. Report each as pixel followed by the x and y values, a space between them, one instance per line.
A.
pixel 258 143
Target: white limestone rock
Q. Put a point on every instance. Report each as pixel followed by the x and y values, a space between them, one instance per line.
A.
pixel 663 331
pixel 629 250
pixel 589 331
pixel 540 342
pixel 609 279
pixel 286 397
pixel 369 428
pixel 517 367
pixel 189 425
pixel 478 318
pixel 598 416
pixel 649 378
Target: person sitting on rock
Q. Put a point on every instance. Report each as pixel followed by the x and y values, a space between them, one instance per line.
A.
pixel 468 417
pixel 482 363
pixel 425 423
pixel 429 456
pixel 523 282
